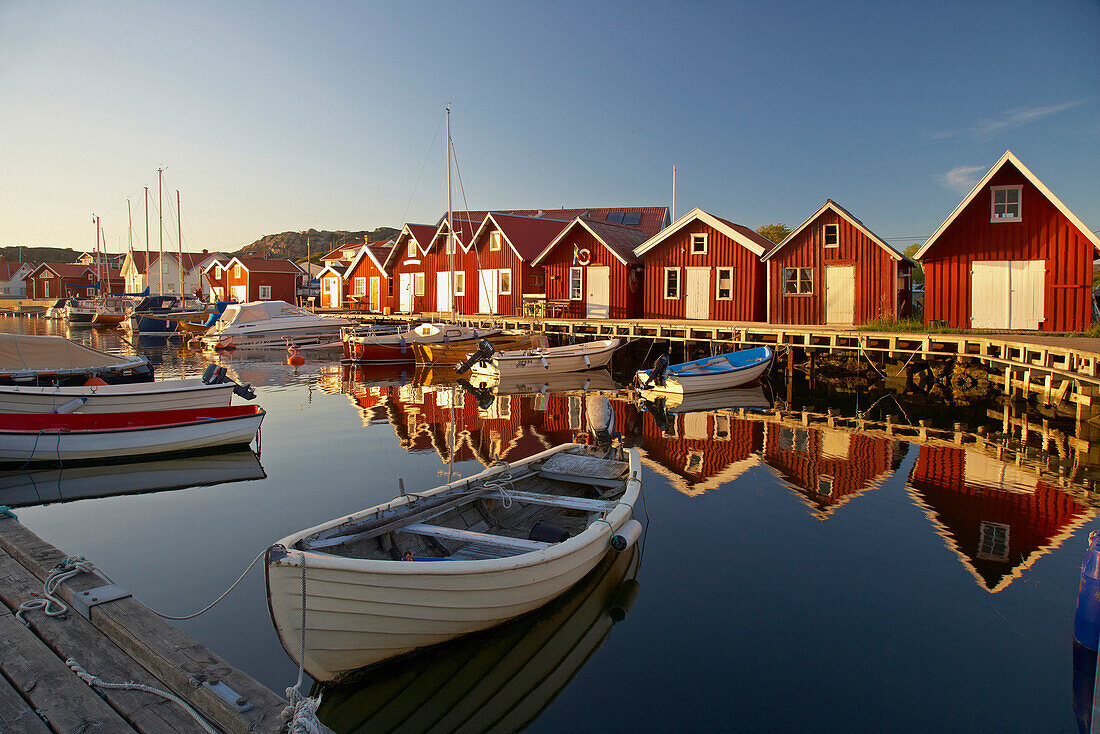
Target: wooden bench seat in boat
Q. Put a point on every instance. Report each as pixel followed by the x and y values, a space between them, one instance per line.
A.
pixel 573 467
pixel 555 500
pixel 469 536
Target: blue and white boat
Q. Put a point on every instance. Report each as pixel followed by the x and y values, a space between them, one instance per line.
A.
pixel 721 372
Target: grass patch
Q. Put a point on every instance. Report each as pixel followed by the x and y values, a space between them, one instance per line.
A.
pixel 910 325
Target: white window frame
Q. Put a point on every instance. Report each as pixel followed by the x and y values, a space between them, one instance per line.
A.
pixel 217 271
pixel 360 286
pixel 349 255
pixel 718 285
pixel 836 236
pixel 460 282
pixel 576 290
pixel 988 541
pixel 449 248
pixel 418 284
pixel 46 274
pixel 410 251
pixel 804 280
pixel 664 284
pixel 500 282
pixel 993 218
pixel 701 239
pixel 236 270
pixel 264 293
pixel 496 240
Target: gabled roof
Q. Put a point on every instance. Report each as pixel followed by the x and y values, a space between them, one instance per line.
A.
pixel 64 270
pixel 8 270
pixel 1010 157
pixel 262 265
pixel 190 260
pixel 619 240
pixel 338 253
pixel 651 219
pixel 465 230
pixel 421 233
pixel 841 211
pixel 527 236
pixel 742 235
pixel 340 271
pixel 378 253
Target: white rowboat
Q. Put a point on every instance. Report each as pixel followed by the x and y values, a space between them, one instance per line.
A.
pixel 553 517
pixel 124 398
pixel 568 358
pixel 721 372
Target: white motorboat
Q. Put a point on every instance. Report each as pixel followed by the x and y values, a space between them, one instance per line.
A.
pixel 721 372
pixel 57 310
pixel 27 359
pixel 29 437
pixel 125 398
pixel 263 324
pixel 430 566
pixel 569 358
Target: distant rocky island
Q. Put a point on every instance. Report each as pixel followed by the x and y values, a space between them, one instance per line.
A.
pixel 294 245
pixel 289 245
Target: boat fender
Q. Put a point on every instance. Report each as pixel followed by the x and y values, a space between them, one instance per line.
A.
pixel 627 536
pixel 546 365
pixel 1086 623
pixel 546 532
pixel 245 391
pixel 71 406
pixel 294 357
pixel 94 381
pixel 623 600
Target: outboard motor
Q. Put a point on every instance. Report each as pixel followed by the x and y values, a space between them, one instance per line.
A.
pixel 657 374
pixel 484 352
pixel 214 374
pixel 601 418
pixel 244 391
pixel 482 395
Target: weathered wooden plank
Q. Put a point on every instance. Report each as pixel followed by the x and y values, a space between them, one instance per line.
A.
pixel 166 652
pixel 16 715
pixel 49 686
pixel 469 536
pixel 70 635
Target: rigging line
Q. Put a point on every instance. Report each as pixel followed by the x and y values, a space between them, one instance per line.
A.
pixel 422 167
pixel 481 285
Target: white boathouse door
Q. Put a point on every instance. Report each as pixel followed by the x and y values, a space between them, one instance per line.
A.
pixel 840 294
pixel 240 293
pixel 697 291
pixel 599 292
pixel 443 291
pixel 487 287
pixel 1007 294
pixel 406 292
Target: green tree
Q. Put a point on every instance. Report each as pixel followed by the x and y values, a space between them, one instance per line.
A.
pixel 918 271
pixel 775 232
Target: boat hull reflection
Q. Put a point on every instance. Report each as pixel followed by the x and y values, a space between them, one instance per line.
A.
pixel 70 483
pixel 499 680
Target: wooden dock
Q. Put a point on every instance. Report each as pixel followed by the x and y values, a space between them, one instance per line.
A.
pixel 119 641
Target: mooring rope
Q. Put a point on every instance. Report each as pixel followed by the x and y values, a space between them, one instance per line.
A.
pixel 301 712
pixel 96 682
pixel 225 593
pixel 49 603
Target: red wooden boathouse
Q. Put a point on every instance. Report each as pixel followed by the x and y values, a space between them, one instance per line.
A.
pixel 1011 256
pixel 366 282
pixel 440 260
pixel 258 279
pixel 833 270
pixel 408 271
pixel 704 267
pixel 591 269
pixel 60 280
pixel 505 246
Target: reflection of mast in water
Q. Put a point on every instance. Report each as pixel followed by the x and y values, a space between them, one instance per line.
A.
pixel 497 680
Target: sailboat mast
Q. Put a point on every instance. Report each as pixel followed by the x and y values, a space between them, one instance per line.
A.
pixel 95 254
pixel 179 241
pixel 147 280
pixel 160 227
pixel 450 221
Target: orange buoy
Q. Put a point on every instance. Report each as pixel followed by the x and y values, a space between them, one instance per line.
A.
pixel 94 382
pixel 294 357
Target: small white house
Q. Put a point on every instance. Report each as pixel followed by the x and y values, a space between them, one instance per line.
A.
pixel 12 276
pixel 163 275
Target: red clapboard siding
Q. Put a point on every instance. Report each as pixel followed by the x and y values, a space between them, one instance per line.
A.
pixel 525 278
pixel 1044 234
pixel 749 279
pixel 698 447
pixel 875 270
pixel 625 279
pixel 365 268
pixel 1035 520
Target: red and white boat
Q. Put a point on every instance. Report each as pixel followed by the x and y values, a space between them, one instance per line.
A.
pixel 390 345
pixel 28 437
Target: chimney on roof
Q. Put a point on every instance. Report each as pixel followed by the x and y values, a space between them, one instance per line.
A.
pixel 204 251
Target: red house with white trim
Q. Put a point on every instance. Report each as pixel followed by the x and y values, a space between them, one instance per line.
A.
pixel 60 280
pixel 1011 256
pixel 407 269
pixel 704 267
pixel 591 267
pixel 457 252
pixel 833 270
pixel 365 281
pixel 506 245
pixel 257 279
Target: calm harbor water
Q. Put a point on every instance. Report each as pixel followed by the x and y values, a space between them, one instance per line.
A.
pixel 794 578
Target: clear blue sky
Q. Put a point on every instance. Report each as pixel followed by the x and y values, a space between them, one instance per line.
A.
pixel 284 116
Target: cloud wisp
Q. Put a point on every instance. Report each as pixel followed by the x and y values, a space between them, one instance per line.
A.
pixel 962 178
pixel 1009 120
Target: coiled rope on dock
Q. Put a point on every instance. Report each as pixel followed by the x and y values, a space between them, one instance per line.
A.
pixel 49 603
pixel 96 682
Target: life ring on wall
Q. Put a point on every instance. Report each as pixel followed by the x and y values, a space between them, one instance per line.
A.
pixel 584 256
pixel 632 280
